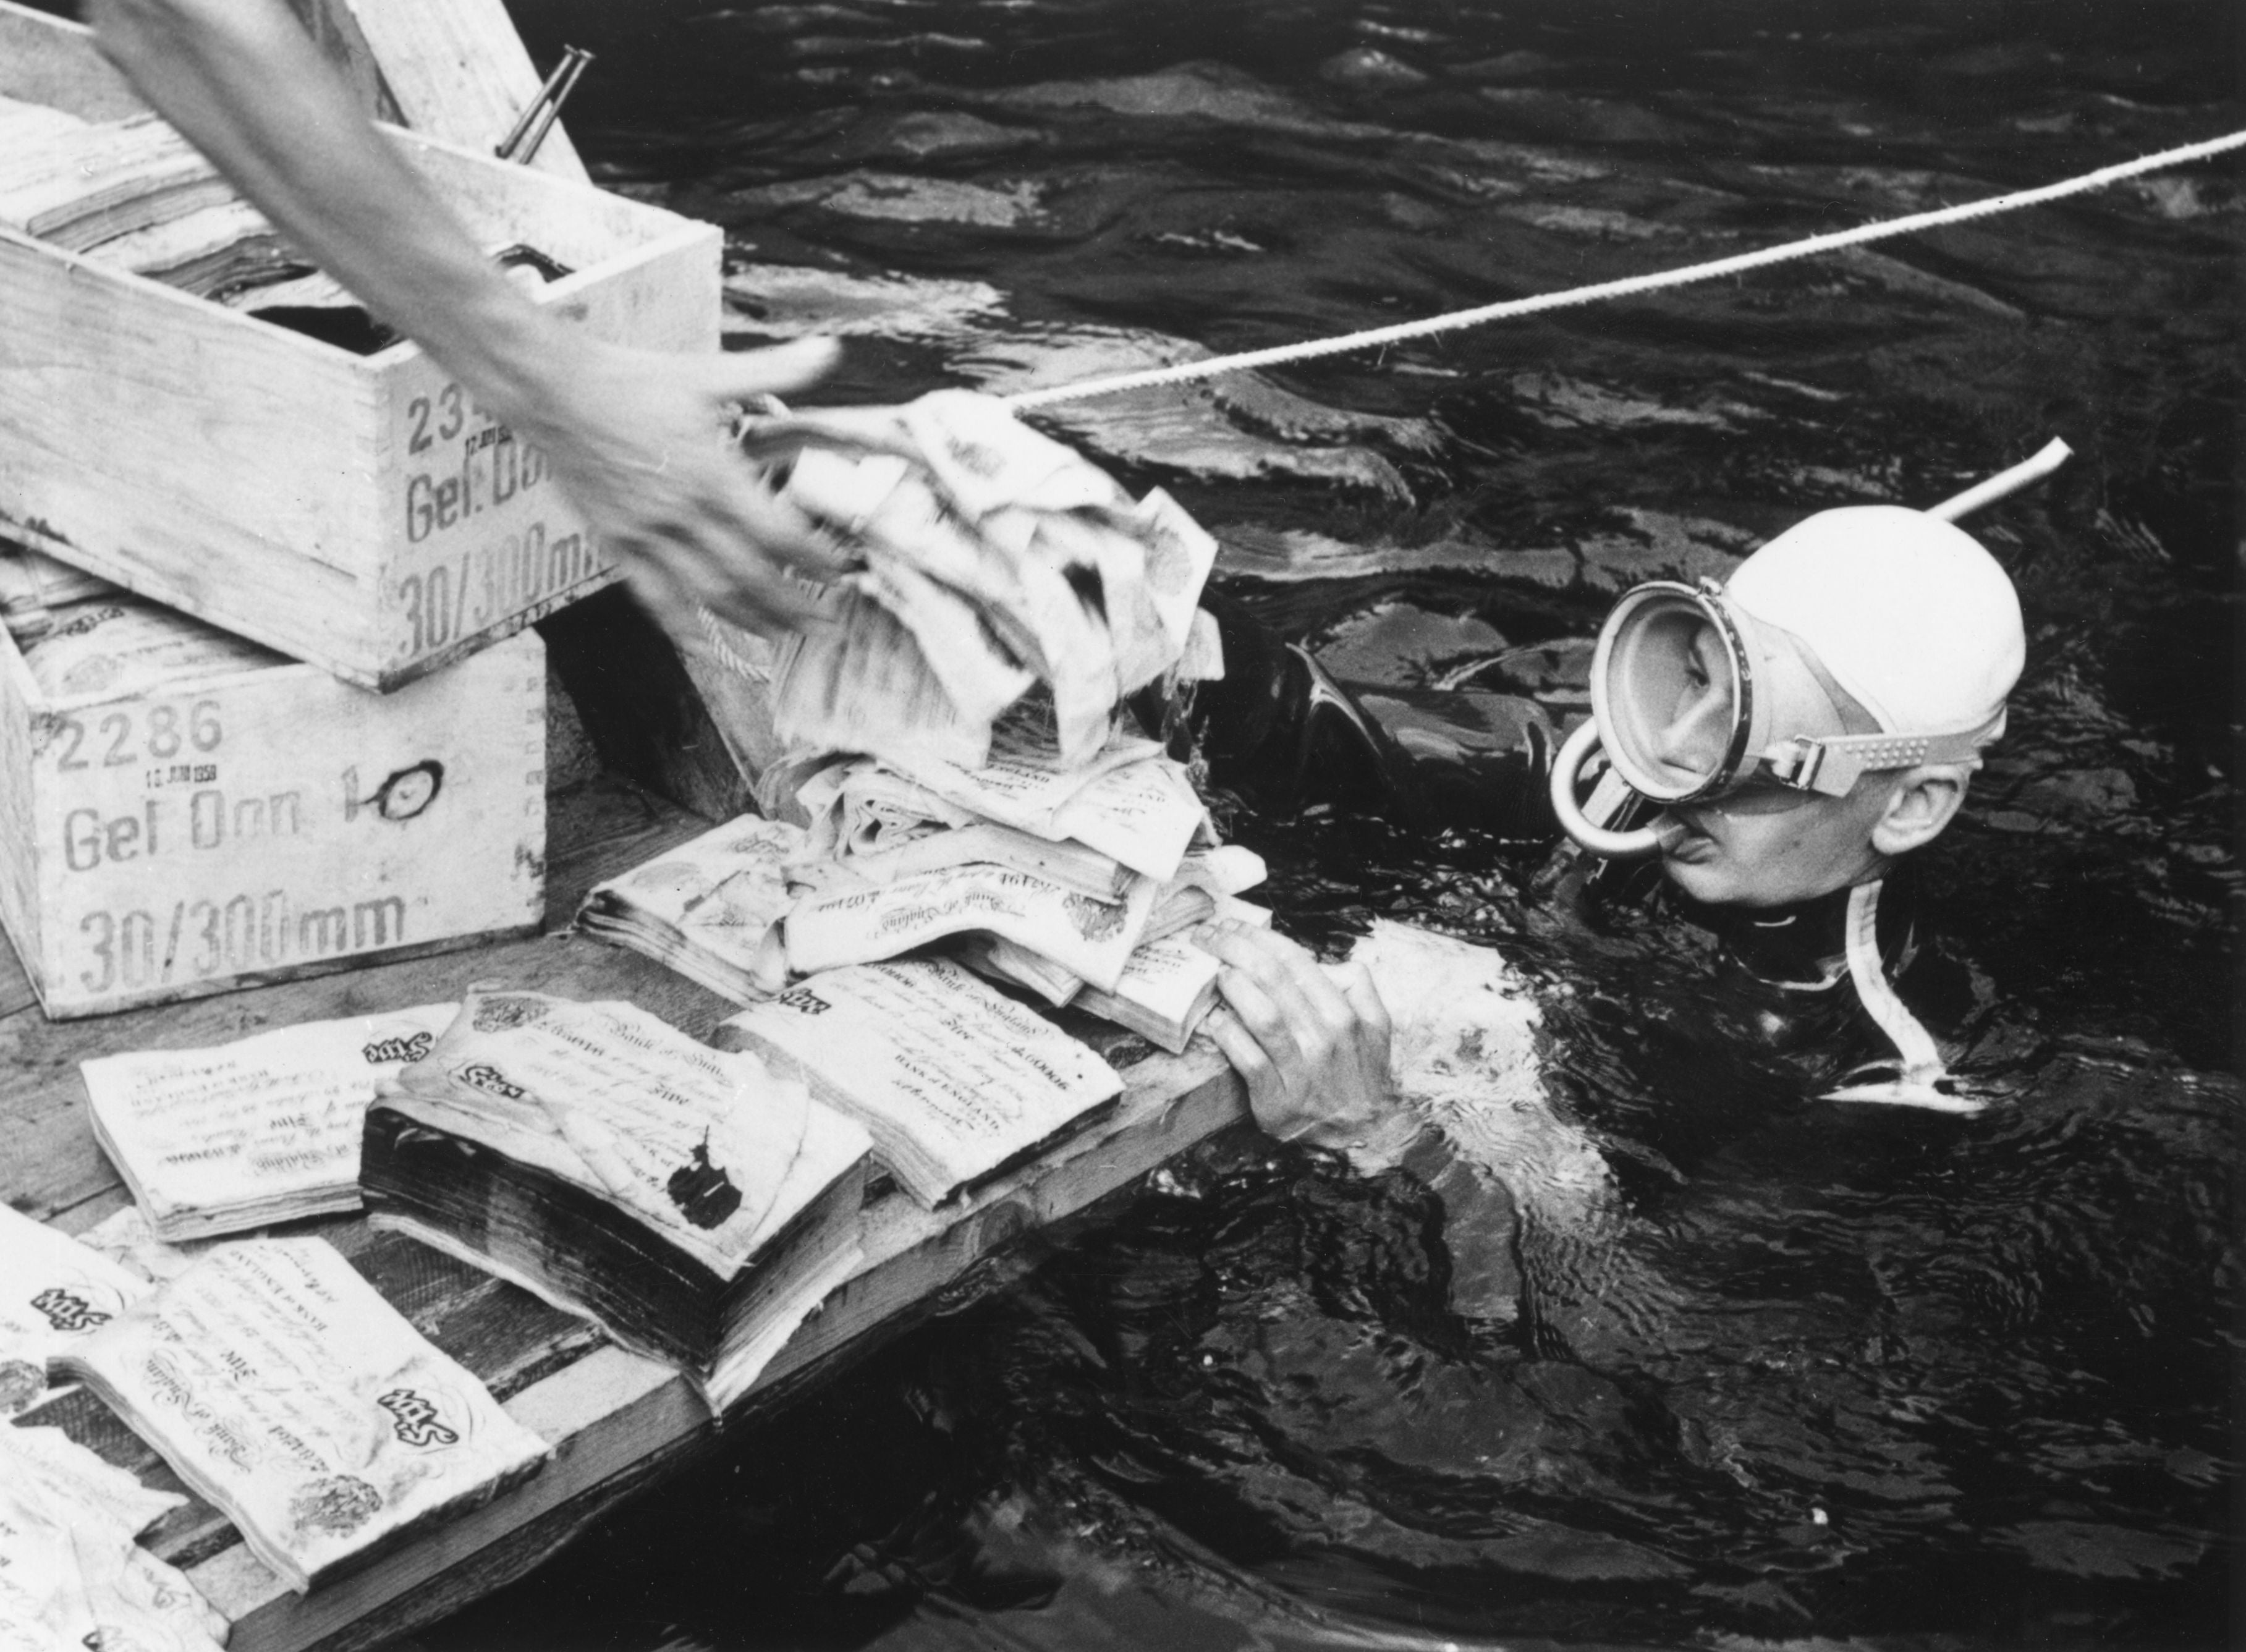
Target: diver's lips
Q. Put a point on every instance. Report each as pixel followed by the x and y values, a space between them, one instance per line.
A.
pixel 1683 841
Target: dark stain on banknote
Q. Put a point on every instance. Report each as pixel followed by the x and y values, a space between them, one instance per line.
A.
pixel 703 1192
pixel 1096 921
pixel 21 1382
pixel 506 1013
pixel 339 1503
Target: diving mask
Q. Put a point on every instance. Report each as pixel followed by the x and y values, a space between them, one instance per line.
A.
pixel 1698 691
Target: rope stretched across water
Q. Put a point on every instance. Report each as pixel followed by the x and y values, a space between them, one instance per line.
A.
pixel 1738 263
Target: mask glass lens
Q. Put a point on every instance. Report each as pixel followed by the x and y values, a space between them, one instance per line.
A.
pixel 1670 712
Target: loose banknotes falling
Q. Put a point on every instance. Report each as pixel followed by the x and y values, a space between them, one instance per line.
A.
pixel 985 559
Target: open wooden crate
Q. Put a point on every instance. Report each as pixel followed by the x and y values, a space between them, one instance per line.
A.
pixel 356 512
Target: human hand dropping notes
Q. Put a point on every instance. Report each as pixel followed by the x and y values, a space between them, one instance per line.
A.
pixel 637 438
pixel 1311 1042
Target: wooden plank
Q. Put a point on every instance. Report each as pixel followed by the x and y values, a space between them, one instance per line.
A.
pixel 613 1418
pixel 626 675
pixel 617 1415
pixel 20 911
pixel 454 69
pixel 914 1255
pixel 640 706
pixel 335 31
pixel 569 222
pixel 44 59
pixel 16 992
pixel 613 1411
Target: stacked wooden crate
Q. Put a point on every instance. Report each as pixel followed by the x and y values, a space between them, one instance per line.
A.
pixel 357 513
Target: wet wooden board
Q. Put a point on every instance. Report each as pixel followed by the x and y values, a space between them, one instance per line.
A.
pixel 617 1421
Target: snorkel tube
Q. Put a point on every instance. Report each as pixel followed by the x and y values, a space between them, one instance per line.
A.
pixel 1657 601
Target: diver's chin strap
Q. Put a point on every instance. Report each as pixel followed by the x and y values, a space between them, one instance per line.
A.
pixel 1919 1072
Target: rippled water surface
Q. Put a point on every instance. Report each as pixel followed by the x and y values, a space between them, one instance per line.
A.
pixel 1799 1373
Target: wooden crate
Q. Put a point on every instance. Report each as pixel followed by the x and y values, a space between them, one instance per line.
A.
pixel 356 511
pixel 264 824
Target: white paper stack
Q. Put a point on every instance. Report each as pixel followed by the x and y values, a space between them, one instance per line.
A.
pixel 54 1291
pixel 206 251
pixel 955 1081
pixel 1044 874
pixel 1030 833
pixel 77 186
pixel 710 910
pixel 1034 871
pixel 71 1574
pixel 1058 879
pixel 282 1386
pixel 33 585
pixel 121 643
pixel 696 1203
pixel 264 1130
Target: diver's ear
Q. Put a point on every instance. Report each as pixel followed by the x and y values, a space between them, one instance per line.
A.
pixel 1921 802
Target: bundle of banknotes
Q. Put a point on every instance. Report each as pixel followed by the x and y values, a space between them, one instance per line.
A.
pixel 1078 882
pixel 72 1574
pixel 698 1203
pixel 961 771
pixel 984 559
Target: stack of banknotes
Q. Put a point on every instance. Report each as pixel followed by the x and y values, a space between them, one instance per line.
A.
pixel 961 771
pixel 1079 883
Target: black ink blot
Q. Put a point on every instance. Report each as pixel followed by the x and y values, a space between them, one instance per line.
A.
pixel 1090 591
pixel 407 792
pixel 704 1194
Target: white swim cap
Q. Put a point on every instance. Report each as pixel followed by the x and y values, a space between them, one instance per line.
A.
pixel 1907 612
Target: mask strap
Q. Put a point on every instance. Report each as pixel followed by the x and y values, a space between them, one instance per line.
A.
pixel 1833 764
pixel 1918 1066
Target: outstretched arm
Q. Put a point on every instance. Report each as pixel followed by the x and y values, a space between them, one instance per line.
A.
pixel 1313 1047
pixel 634 435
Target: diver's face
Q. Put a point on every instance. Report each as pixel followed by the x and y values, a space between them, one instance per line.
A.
pixel 1764 845
pixel 1767 846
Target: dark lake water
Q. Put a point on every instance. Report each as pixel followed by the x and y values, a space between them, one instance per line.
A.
pixel 1821 1375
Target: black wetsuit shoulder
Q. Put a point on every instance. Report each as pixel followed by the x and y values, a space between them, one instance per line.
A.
pixel 1282 733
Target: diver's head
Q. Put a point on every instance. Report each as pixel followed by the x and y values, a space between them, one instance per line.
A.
pixel 1814 717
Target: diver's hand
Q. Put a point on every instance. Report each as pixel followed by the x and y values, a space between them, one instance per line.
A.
pixel 1313 1046
pixel 638 438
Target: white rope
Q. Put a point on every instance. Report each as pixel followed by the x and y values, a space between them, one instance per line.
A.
pixel 1738 263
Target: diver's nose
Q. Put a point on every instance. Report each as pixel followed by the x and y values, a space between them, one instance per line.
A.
pixel 1694 738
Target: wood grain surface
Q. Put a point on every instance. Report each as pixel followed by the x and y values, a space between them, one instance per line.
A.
pixel 618 1421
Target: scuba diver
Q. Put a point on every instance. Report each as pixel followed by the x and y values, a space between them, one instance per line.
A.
pixel 1796 733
